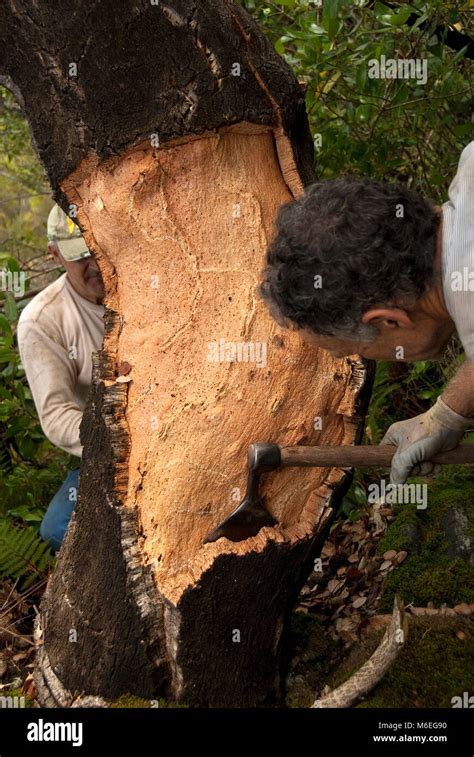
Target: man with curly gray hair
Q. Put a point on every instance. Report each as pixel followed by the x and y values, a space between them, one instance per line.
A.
pixel 363 267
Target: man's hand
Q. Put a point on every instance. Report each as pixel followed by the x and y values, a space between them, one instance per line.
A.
pixel 419 439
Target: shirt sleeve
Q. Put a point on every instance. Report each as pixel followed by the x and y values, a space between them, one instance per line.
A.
pixel 51 375
pixel 460 246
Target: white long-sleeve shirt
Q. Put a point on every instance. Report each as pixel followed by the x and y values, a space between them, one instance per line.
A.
pixel 57 333
pixel 458 250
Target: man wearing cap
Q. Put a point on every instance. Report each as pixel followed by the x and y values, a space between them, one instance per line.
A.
pixel 57 333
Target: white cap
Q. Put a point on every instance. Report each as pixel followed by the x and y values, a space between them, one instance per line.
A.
pixel 67 235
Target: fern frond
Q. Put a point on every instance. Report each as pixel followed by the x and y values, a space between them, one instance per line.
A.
pixel 23 554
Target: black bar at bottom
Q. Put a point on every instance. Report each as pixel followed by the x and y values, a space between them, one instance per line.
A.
pixel 146 731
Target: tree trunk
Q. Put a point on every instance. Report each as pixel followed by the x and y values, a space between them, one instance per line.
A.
pixel 178 138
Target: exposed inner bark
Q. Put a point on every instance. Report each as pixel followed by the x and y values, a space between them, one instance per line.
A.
pixel 180 235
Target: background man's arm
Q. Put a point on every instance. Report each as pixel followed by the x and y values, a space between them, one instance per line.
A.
pixel 459 395
pixel 51 375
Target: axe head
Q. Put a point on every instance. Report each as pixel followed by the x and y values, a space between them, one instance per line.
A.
pixel 245 521
pixel 250 516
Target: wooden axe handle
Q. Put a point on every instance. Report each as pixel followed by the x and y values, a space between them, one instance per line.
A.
pixel 364 456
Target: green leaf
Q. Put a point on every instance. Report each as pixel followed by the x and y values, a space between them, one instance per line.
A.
pixel 10 308
pixel 6 328
pixel 315 29
pixel 361 76
pixel 401 17
pixel 7 356
pixel 279 46
pixel 382 10
pixel 332 26
pixel 364 113
pixel 27 514
pixel 460 54
pixel 331 82
pixel 330 9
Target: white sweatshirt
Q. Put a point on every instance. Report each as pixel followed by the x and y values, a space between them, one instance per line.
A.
pixel 57 333
pixel 458 250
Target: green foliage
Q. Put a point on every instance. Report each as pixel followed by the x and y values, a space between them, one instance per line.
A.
pixel 24 193
pixel 410 387
pixel 389 129
pixel 23 554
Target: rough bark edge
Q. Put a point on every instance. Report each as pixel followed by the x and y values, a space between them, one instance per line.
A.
pixel 372 672
pixel 51 692
pixel 138 576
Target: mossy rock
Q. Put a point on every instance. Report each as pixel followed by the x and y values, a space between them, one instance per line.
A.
pixel 429 574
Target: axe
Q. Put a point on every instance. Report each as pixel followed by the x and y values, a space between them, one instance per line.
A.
pixel 251 515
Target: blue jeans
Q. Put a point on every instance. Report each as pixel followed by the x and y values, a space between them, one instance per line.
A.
pixel 55 522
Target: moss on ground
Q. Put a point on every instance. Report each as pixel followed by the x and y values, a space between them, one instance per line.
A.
pixel 7 693
pixel 433 666
pixel 130 701
pixel 428 573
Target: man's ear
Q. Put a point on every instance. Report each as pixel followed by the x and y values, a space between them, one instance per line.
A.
pixel 389 317
pixel 53 250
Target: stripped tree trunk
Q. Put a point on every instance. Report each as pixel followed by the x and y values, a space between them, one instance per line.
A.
pixel 177 134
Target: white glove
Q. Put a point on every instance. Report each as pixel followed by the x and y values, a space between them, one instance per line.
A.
pixel 421 438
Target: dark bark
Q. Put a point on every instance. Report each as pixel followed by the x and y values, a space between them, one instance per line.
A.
pixel 143 69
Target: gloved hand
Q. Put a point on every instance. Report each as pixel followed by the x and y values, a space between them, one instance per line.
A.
pixel 421 438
